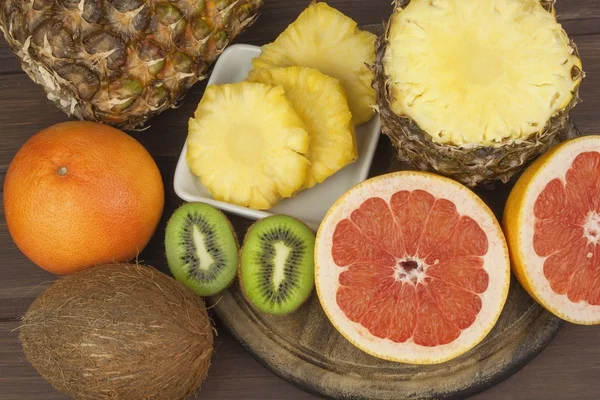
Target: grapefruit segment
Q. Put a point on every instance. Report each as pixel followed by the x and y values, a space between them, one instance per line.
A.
pixel 404 318
pixel 466 239
pixel 435 232
pixel 351 246
pixel 554 234
pixel 376 320
pixel 581 282
pixel 411 267
pixel 586 167
pixel 371 274
pixel 433 328
pixel 465 272
pixel 552 224
pixel 578 202
pixel 594 298
pixel 549 204
pixel 411 214
pixel 355 300
pixel 459 306
pixel 374 218
pixel 558 269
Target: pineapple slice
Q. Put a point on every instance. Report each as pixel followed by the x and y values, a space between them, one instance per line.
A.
pixel 479 72
pixel 321 103
pixel 325 39
pixel 248 145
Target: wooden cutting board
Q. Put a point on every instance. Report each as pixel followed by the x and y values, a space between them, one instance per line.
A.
pixel 306 350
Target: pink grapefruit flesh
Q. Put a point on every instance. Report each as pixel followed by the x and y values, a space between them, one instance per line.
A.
pixel 552 221
pixel 567 230
pixel 411 267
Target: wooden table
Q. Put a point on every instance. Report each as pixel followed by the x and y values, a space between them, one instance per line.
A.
pixel 568 368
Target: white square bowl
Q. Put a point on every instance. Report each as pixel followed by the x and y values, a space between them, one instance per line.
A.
pixel 309 206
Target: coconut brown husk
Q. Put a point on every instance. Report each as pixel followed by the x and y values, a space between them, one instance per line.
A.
pixel 471 165
pixel 119 331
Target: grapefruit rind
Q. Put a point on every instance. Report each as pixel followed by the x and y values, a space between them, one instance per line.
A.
pixel 496 264
pixel 518 223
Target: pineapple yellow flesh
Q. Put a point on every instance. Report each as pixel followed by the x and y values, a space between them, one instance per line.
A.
pixel 248 145
pixel 479 72
pixel 321 103
pixel 325 39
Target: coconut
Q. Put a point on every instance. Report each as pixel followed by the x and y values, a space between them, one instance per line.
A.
pixel 119 331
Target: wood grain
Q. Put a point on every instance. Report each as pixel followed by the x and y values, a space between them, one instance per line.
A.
pixel 568 368
pixel 304 348
pixel 579 17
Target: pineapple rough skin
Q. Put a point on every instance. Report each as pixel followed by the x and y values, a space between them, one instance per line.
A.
pixel 121 61
pixel 473 165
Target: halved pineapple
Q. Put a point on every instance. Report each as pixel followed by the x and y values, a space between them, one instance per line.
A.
pixel 321 103
pixel 325 39
pixel 248 145
pixel 476 89
pixel 479 72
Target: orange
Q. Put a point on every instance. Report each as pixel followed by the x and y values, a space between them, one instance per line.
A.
pixel 79 194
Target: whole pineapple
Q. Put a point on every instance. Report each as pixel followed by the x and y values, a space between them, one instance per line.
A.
pixel 120 61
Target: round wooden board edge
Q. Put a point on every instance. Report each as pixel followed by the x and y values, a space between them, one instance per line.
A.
pixel 546 326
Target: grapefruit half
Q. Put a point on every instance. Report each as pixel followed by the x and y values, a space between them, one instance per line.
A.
pixel 552 225
pixel 412 267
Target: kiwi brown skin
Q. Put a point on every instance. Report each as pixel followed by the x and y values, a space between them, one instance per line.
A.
pixel 239 273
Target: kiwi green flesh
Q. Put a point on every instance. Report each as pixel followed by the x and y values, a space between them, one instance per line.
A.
pixel 201 248
pixel 277 264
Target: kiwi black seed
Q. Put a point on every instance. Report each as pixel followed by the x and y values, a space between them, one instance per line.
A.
pixel 202 249
pixel 277 270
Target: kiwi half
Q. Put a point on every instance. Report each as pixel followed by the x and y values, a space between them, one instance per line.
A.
pixel 277 269
pixel 202 249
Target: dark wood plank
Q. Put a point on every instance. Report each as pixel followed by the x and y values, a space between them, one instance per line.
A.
pixel 20 97
pixel 26 110
pixel 585 114
pixel 9 62
pixel 567 368
pixel 578 16
pixel 577 9
pixel 233 374
pixel 275 16
pixel 559 371
pixel 581 27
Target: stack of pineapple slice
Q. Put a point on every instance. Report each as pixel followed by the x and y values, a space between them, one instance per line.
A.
pixel 290 125
pixel 247 144
pixel 321 103
pixel 325 39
